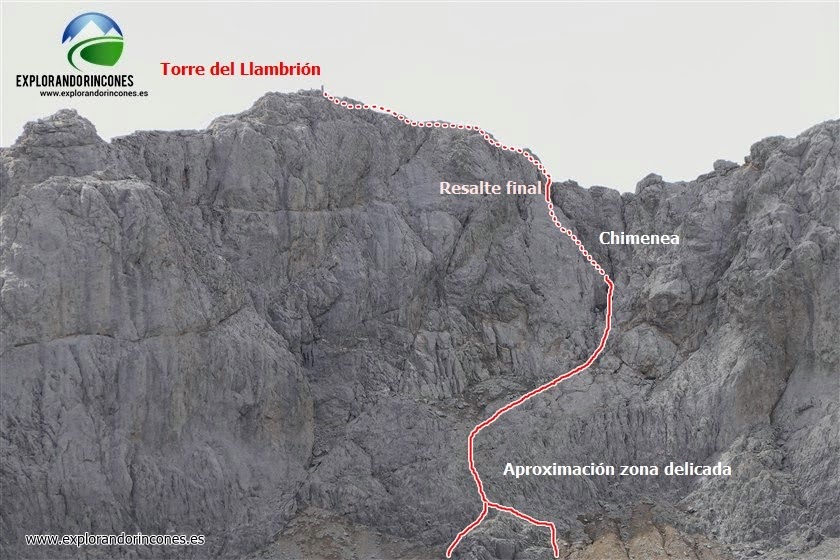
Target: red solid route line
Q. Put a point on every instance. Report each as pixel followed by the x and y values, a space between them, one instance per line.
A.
pixel 486 504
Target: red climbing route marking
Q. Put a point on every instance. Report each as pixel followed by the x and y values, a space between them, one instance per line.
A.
pixel 486 504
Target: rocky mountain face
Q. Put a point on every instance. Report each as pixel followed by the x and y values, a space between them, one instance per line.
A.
pixel 277 333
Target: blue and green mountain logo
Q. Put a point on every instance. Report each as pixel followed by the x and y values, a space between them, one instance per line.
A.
pixel 93 39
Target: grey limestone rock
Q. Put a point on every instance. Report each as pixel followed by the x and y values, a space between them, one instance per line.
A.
pixel 278 324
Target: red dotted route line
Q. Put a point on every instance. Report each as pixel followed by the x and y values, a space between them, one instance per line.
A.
pixel 486 503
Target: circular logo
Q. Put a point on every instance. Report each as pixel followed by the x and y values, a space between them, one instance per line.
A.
pixel 93 39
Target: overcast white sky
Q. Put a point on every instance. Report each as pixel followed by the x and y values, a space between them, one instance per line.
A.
pixel 604 93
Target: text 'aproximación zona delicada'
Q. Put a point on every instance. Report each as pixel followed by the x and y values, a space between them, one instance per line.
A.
pixel 601 469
